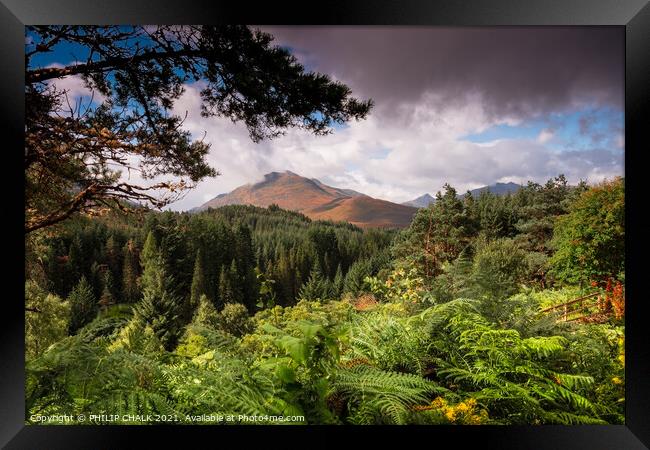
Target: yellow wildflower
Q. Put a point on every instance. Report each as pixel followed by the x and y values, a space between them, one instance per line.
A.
pixel 450 415
pixel 439 403
pixel 462 407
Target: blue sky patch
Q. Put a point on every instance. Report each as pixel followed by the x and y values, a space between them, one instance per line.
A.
pixel 579 130
pixel 505 131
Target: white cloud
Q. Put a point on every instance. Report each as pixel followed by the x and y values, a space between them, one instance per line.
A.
pixel 208 196
pixel 545 135
pixel 424 152
pixel 76 89
pixel 419 151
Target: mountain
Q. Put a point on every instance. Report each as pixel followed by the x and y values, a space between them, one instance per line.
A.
pixel 317 201
pixel 498 189
pixel 421 202
pixel 365 212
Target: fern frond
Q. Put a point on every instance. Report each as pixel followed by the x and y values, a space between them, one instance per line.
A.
pixel 377 396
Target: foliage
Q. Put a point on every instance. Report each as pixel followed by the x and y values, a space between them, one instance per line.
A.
pixel 317 287
pixel 590 240
pixel 234 319
pixel 206 314
pixel 437 234
pixel 304 360
pixel 137 337
pixel 375 396
pixel 83 305
pixel 199 287
pixel 130 292
pixel 400 286
pixel 389 343
pixel 499 268
pixel 510 375
pixel 107 298
pixel 375 340
pixel 158 308
pixel 46 319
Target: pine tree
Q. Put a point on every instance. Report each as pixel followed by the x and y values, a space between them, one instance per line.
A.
pixel 149 253
pixel 206 314
pixel 199 287
pixel 76 260
pixel 246 267
pixel 149 250
pixel 173 247
pixel 83 305
pixel 437 234
pixel 325 245
pixel 316 287
pixel 107 298
pixel 114 257
pixel 354 283
pixel 130 290
pixel 337 285
pixel 225 290
pixel 96 279
pixel 285 279
pixel 229 286
pixel 160 310
pixel 159 307
pixel 46 319
pixel 59 280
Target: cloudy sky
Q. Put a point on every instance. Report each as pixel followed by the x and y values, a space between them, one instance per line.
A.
pixel 468 106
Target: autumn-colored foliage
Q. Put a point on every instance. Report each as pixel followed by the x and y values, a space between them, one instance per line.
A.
pixel 590 240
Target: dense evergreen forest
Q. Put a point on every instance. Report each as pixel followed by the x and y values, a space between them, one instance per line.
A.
pixel 261 315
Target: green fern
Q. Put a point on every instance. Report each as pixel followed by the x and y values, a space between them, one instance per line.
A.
pixel 389 343
pixel 512 376
pixel 374 396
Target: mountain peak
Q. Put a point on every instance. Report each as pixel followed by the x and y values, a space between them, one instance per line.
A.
pixel 421 202
pixel 317 200
pixel 497 189
pixel 279 174
pixel 274 175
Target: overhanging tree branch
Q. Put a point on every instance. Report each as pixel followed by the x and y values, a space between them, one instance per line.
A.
pixel 141 72
pixel 108 64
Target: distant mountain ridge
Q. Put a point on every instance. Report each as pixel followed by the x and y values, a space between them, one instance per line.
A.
pixel 316 200
pixel 498 189
pixel 421 202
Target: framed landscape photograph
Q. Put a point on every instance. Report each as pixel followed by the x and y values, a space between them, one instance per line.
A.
pixel 372 219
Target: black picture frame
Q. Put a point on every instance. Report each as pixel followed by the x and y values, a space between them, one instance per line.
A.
pixel 633 15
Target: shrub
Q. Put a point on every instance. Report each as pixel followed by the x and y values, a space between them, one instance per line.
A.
pixel 46 319
pixel 234 319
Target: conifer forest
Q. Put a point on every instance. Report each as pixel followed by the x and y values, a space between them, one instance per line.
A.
pixel 260 311
pixel 487 309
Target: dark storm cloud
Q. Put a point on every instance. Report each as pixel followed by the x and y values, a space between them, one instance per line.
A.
pixel 520 72
pixel 586 122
